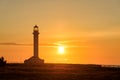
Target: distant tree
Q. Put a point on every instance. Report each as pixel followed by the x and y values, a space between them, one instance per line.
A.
pixel 2 61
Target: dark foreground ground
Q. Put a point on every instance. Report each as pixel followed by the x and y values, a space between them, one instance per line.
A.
pixel 58 72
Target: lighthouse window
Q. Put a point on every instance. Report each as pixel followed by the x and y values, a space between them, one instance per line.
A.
pixel 35 29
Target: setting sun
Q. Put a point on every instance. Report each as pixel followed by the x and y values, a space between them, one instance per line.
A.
pixel 61 49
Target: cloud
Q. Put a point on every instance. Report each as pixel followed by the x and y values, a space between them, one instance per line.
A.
pixel 18 44
pixel 67 43
pixel 48 45
pixel 15 44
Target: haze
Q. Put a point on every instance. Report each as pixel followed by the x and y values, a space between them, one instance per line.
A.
pixel 88 29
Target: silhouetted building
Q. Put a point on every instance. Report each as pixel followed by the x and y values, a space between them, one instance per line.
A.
pixel 35 60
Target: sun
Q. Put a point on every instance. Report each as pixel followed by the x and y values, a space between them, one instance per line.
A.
pixel 61 49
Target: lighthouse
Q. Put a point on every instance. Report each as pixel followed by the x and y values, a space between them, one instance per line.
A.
pixel 35 40
pixel 35 60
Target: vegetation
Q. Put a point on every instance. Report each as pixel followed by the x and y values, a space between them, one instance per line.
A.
pixel 58 72
pixel 2 61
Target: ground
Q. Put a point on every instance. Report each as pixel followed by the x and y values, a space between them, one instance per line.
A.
pixel 58 72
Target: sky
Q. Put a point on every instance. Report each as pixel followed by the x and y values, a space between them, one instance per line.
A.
pixel 89 30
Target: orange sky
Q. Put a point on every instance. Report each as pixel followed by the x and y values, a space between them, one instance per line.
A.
pixel 89 30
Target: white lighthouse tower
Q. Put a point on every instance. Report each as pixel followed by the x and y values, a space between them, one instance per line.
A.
pixel 35 60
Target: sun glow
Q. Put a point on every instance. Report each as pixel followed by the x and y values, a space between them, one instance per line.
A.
pixel 61 49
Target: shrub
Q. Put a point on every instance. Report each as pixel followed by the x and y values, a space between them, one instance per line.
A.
pixel 2 61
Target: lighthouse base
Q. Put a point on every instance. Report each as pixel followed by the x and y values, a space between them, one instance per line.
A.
pixel 34 61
